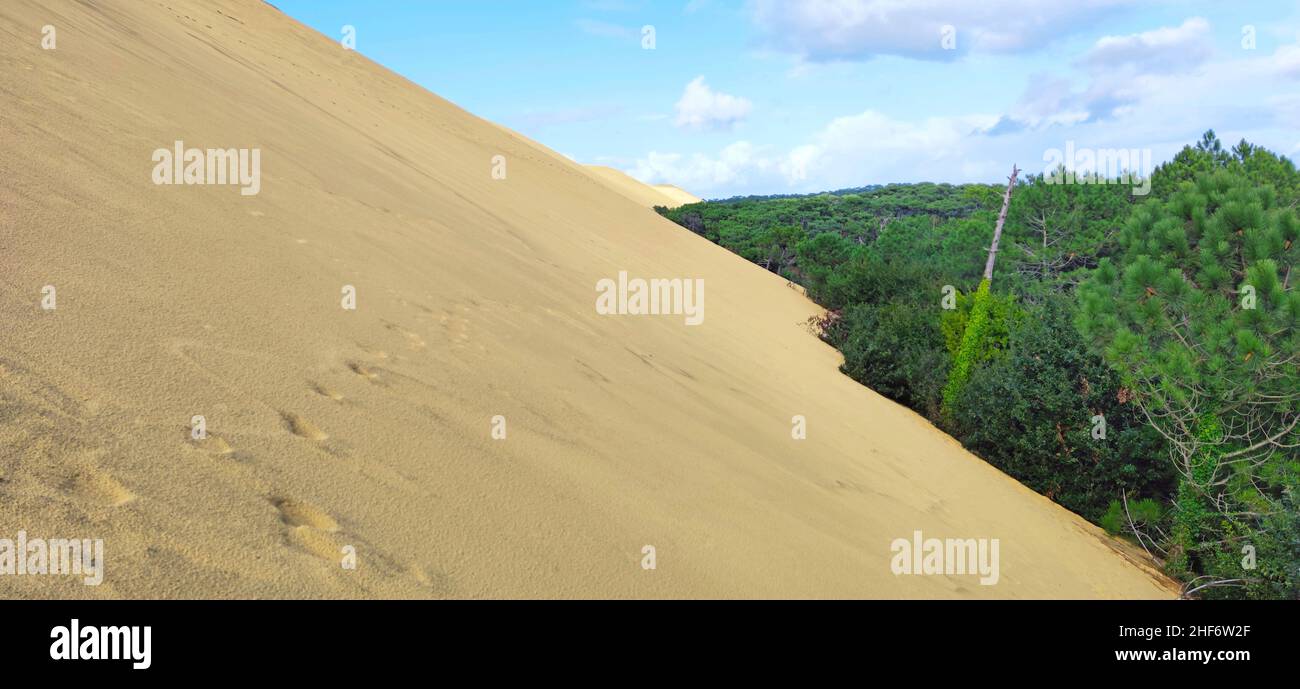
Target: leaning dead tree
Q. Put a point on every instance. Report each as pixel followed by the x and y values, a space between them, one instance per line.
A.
pixel 1002 219
pixel 977 323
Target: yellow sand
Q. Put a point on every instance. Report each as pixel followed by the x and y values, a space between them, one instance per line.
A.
pixel 648 195
pixel 475 297
pixel 676 194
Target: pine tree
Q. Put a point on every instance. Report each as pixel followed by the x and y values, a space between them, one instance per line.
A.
pixel 1057 232
pixel 1260 166
pixel 1200 314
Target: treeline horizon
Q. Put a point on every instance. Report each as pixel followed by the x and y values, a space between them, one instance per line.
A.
pixel 1134 358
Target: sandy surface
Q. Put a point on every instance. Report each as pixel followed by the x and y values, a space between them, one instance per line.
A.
pixel 475 297
pixel 648 195
pixel 679 196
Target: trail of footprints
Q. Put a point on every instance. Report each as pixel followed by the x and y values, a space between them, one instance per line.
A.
pixel 306 526
pixel 45 422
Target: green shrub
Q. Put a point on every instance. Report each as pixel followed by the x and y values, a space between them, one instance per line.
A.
pixel 1030 412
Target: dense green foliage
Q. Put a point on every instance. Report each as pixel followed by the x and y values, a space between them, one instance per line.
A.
pixel 1198 314
pixel 1111 340
pixel 1031 413
pixel 1244 160
pixel 974 345
pixel 768 231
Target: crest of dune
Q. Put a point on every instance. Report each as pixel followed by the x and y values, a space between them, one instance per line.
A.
pixel 370 432
pixel 679 196
pixel 648 195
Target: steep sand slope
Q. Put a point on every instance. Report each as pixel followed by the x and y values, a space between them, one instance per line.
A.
pixel 371 428
pixel 644 194
pixel 679 196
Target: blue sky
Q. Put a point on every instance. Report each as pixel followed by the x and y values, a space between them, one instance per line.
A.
pixel 783 96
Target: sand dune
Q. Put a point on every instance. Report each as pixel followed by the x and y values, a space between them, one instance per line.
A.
pixel 372 428
pixel 679 196
pixel 648 195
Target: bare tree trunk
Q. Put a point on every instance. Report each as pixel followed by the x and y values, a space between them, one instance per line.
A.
pixel 1002 218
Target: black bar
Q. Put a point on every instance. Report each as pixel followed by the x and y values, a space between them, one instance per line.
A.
pixel 242 639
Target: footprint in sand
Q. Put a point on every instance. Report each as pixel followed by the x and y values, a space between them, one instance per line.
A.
pixel 438 582
pixel 299 513
pixel 455 325
pixel 213 444
pixel 327 392
pixel 413 340
pixel 310 527
pixel 318 543
pixel 302 427
pixel 363 371
pixel 96 486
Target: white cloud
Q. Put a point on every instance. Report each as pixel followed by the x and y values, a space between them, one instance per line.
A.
pixel 737 164
pixel 796 165
pixel 700 107
pixel 849 151
pixel 822 30
pixel 1286 61
pixel 1286 107
pixel 1167 49
pixel 1047 101
pixel 1156 90
pixel 1122 71
pixel 853 150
